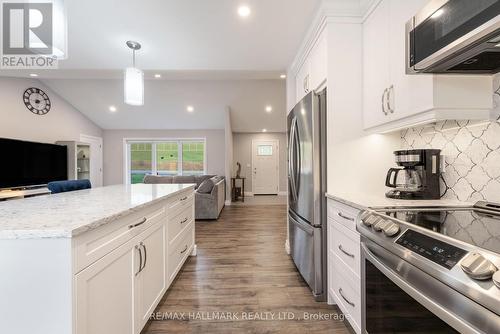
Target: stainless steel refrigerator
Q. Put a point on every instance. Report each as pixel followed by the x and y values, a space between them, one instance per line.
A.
pixel 307 189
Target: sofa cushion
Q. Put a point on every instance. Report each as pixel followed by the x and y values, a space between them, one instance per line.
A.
pixel 200 178
pixel 206 186
pixel 184 179
pixel 155 179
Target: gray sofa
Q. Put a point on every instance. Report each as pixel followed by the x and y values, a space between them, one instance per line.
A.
pixel 209 198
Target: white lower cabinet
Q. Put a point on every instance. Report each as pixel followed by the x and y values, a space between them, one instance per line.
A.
pixel 104 293
pixel 344 262
pixel 118 293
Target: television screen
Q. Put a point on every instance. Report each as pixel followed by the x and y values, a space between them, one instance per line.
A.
pixel 29 164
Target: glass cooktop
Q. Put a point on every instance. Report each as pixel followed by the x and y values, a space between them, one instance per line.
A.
pixel 474 226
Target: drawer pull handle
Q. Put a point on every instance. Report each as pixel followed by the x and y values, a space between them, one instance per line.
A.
pixel 346 300
pixel 140 259
pixel 185 220
pixel 143 220
pixel 341 215
pixel 346 253
pixel 184 198
pixel 185 249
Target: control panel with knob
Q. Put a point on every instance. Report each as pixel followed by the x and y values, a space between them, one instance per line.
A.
pixel 391 229
pixel 478 267
pixel 380 225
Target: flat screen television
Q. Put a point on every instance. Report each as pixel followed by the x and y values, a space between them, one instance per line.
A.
pixel 24 164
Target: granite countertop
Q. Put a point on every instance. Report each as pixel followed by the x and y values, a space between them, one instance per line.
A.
pixel 364 201
pixel 66 215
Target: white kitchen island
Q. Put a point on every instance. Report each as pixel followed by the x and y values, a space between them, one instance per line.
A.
pixel 94 261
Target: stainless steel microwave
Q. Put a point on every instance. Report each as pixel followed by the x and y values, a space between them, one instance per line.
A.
pixel 454 36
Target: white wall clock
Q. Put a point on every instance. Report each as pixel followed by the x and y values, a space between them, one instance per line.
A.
pixel 36 101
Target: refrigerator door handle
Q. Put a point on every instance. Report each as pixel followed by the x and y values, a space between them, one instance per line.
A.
pixel 291 158
pixel 298 169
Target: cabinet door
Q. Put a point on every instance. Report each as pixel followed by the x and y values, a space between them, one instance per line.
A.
pixel 375 65
pixel 410 94
pixel 151 281
pixel 104 302
pixel 318 63
pixel 302 81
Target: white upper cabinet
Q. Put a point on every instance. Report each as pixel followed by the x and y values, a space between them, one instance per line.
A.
pixel 313 72
pixel 391 98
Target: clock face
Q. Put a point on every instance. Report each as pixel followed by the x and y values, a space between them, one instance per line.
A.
pixel 36 101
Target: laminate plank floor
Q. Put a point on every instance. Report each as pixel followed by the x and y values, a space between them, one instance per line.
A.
pixel 242 281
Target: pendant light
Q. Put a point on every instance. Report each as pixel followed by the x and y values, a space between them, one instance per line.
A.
pixel 134 80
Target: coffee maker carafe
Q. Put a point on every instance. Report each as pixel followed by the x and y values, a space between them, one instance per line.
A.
pixel 417 177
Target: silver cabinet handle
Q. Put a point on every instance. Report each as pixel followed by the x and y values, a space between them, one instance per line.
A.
pixel 185 249
pixel 143 220
pixel 389 90
pixel 145 255
pixel 185 220
pixel 140 259
pixel 346 253
pixel 341 215
pixel 346 300
pixel 383 102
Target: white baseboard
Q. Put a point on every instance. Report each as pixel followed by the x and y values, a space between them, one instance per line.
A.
pixel 248 194
pixel 283 193
pixel 194 250
pixel 287 247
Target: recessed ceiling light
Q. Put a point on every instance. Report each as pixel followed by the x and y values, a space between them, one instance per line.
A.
pixel 190 108
pixel 264 130
pixel 283 76
pixel 157 76
pixel 244 11
pixel 269 108
pixel 112 108
pixel 34 75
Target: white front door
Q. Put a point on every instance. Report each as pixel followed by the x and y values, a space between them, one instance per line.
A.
pixel 265 160
pixel 95 159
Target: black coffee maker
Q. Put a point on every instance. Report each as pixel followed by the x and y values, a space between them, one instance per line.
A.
pixel 418 177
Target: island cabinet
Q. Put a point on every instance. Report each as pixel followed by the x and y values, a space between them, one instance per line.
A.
pixel 100 268
pixel 119 292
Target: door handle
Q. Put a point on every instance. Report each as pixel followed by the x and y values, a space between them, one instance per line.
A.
pixel 346 253
pixel 183 221
pixel 341 215
pixel 140 259
pixel 185 249
pixel 298 170
pixel 143 220
pixel 383 102
pixel 291 158
pixel 346 300
pixel 145 255
pixel 389 90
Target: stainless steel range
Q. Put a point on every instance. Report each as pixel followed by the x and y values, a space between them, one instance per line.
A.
pixel 431 270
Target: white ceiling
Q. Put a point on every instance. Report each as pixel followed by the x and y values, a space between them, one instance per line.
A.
pixel 186 34
pixel 166 102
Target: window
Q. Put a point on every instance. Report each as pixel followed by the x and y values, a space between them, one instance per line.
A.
pixel 265 150
pixel 164 157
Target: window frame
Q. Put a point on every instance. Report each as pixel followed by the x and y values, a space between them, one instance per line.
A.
pixel 154 141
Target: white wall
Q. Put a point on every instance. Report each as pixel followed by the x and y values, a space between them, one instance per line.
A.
pixel 228 139
pixel 63 122
pixel 243 154
pixel 113 149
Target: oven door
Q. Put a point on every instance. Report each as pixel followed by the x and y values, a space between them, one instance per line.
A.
pixel 400 298
pixel 445 28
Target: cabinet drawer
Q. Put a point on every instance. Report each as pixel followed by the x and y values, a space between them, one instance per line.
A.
pixel 91 246
pixel 346 291
pixel 180 250
pixel 177 223
pixel 343 214
pixel 180 200
pixel 346 245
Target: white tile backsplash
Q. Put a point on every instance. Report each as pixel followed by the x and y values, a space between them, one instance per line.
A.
pixel 472 156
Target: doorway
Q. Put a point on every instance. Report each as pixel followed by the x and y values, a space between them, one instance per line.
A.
pixel 265 167
pixel 96 159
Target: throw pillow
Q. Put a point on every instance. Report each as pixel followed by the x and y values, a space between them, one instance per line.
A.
pixel 206 187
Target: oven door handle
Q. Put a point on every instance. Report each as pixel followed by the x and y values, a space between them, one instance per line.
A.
pixel 389 269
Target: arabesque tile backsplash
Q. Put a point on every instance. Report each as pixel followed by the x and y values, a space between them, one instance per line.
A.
pixel 472 155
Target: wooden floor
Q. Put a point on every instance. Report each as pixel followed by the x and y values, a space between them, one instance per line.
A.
pixel 241 277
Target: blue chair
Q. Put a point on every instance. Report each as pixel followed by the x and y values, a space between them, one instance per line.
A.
pixel 70 185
